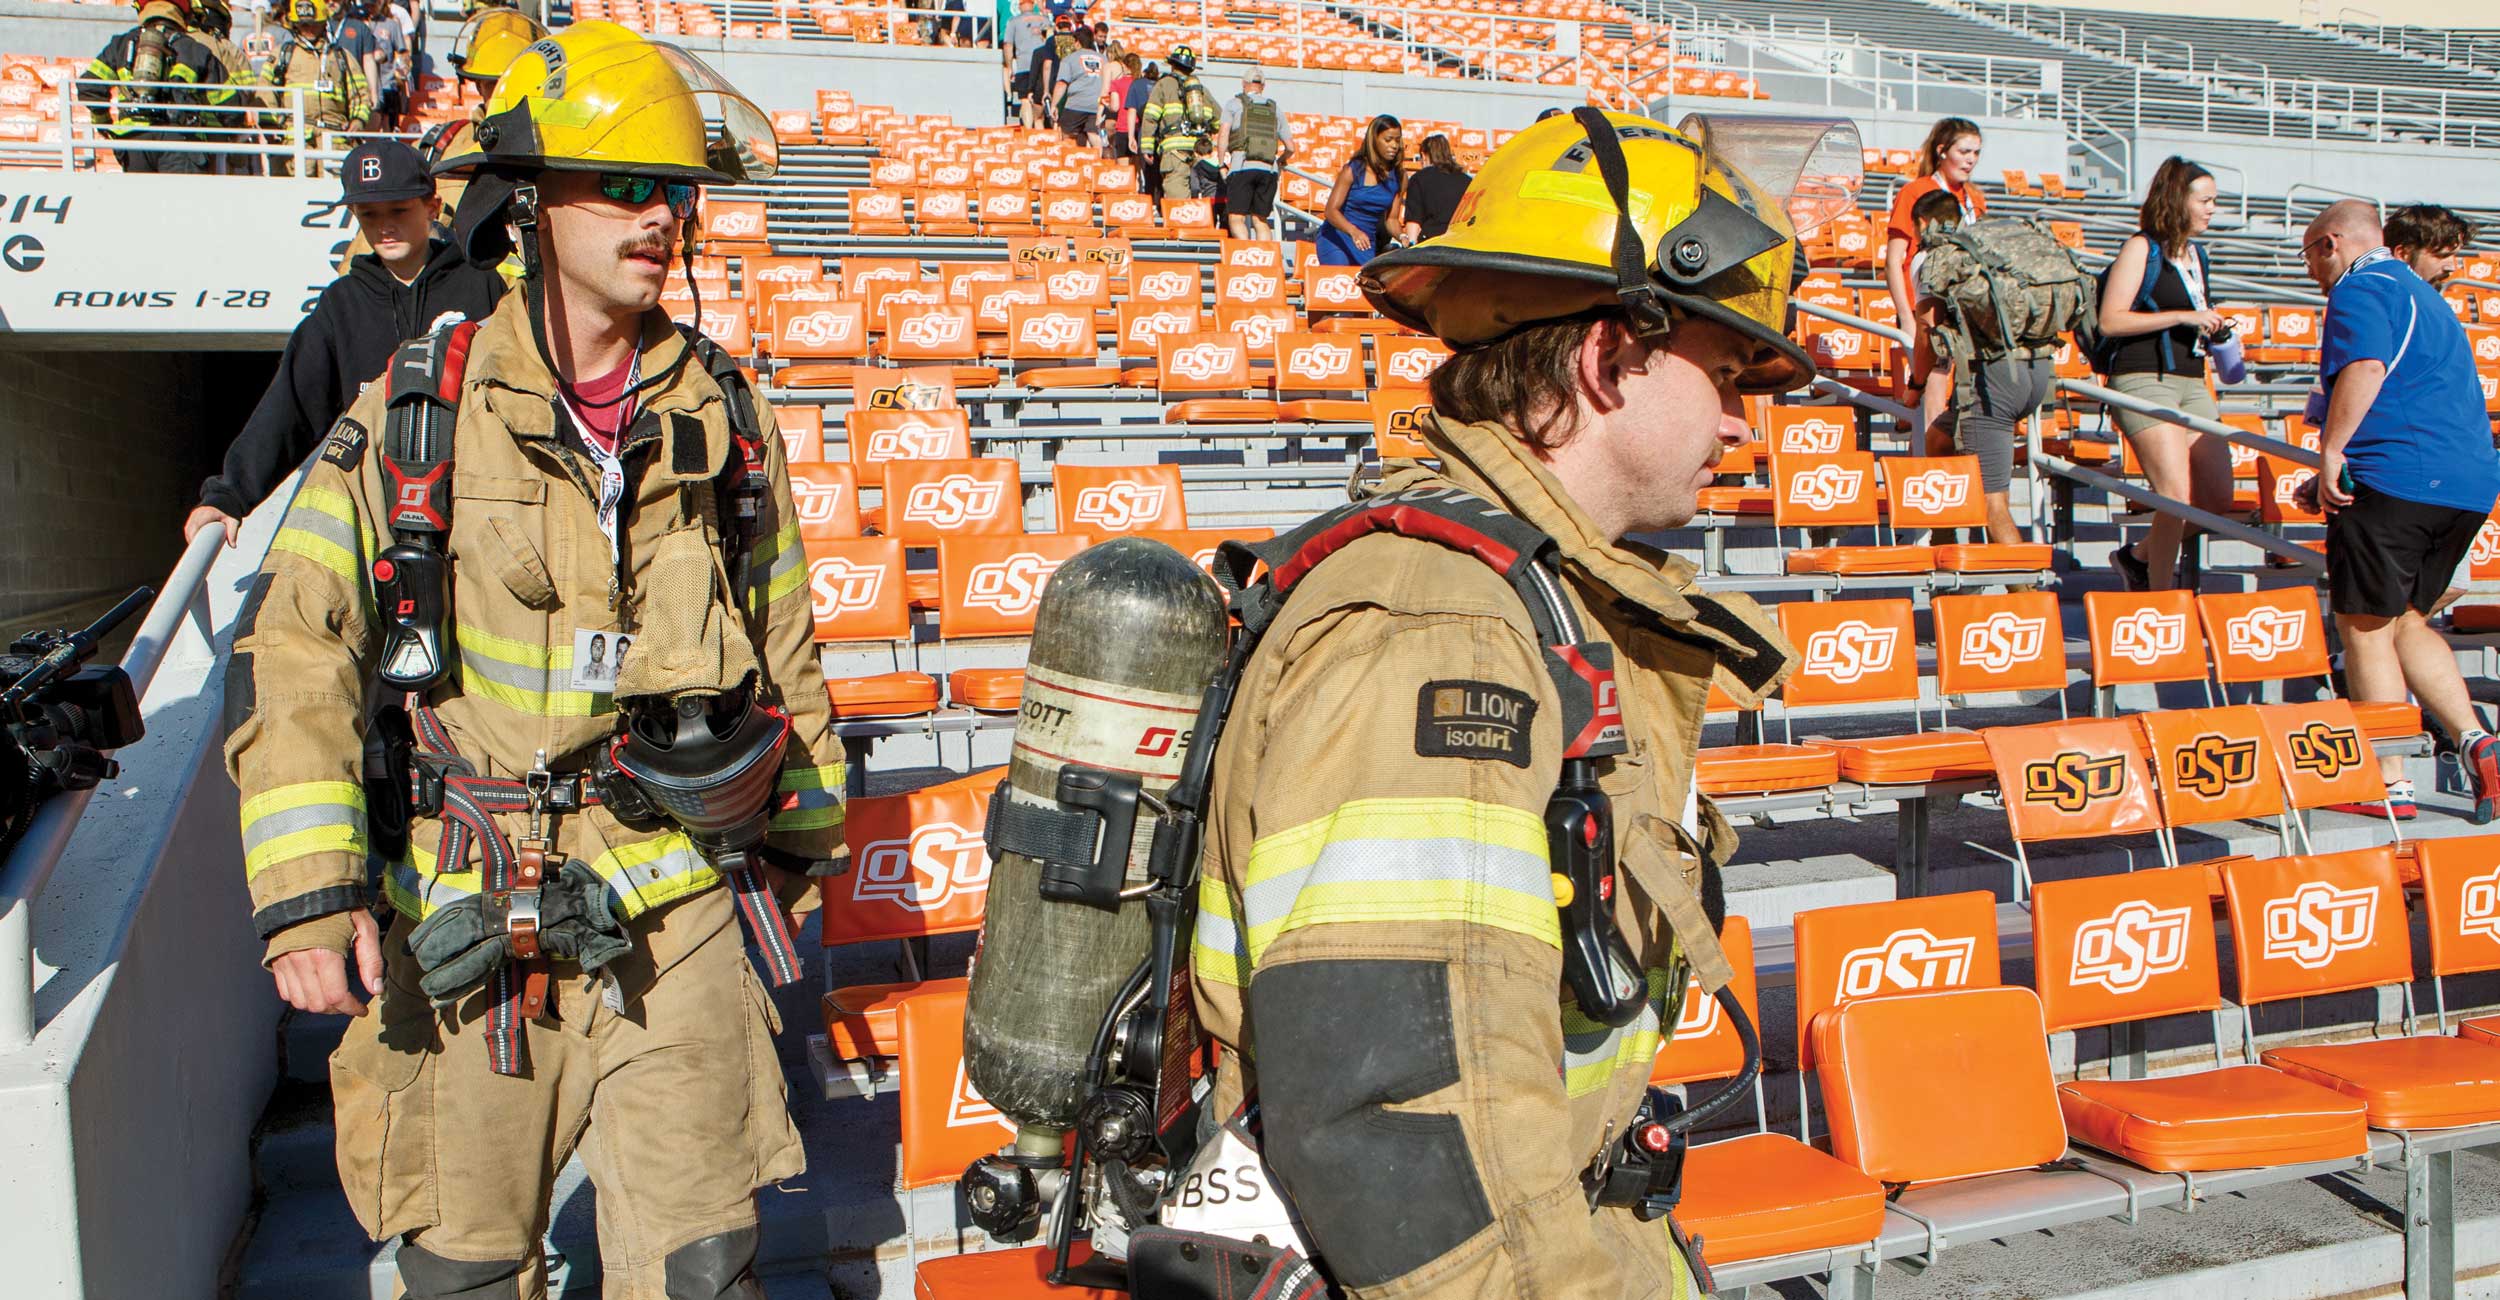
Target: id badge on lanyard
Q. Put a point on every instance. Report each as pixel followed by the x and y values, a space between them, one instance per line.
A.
pixel 611 463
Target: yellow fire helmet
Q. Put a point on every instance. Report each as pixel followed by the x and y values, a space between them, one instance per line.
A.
pixel 1539 235
pixel 490 41
pixel 599 98
pixel 300 12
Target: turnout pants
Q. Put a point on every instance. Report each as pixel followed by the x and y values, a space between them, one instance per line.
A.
pixel 675 1103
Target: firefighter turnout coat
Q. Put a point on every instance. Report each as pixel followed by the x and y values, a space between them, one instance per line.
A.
pixel 531 577
pixel 1378 946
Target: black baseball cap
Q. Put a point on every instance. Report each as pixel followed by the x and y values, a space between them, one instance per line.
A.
pixel 383 171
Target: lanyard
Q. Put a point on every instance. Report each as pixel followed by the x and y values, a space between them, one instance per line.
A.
pixel 609 459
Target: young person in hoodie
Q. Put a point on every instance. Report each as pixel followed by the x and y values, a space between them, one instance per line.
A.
pixel 412 281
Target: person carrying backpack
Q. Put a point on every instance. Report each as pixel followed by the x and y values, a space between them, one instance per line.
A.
pixel 1995 300
pixel 1261 144
pixel 1179 114
pixel 2156 315
pixel 1946 161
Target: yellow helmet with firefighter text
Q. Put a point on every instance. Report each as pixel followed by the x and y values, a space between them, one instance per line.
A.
pixel 490 41
pixel 1541 232
pixel 599 98
pixel 300 12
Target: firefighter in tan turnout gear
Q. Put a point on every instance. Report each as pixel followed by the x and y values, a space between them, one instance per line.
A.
pixel 1384 919
pixel 563 543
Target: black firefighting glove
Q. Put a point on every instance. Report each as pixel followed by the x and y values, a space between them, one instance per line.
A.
pixel 464 943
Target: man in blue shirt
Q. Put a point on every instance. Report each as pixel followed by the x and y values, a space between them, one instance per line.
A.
pixel 2408 475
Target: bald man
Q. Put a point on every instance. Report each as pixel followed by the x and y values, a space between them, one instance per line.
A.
pixel 2408 475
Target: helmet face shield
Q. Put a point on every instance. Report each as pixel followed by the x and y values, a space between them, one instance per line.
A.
pixel 491 40
pixel 1808 169
pixel 742 145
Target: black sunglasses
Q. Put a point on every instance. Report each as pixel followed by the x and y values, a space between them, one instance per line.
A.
pixel 636 191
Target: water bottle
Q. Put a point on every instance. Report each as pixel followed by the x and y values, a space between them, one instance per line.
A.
pixel 2223 346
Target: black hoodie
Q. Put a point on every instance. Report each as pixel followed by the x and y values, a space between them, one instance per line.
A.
pixel 339 349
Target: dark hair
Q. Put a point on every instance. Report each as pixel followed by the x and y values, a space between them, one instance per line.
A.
pixel 1436 151
pixel 1527 379
pixel 1369 155
pixel 2428 228
pixel 1937 205
pixel 1085 38
pixel 2164 215
pixel 1940 138
pixel 1132 63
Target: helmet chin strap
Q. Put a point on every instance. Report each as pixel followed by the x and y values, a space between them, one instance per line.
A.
pixel 525 211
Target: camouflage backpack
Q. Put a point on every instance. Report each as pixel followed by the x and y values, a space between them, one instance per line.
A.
pixel 2004 287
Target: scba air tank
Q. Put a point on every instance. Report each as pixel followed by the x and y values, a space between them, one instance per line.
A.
pixel 1128 636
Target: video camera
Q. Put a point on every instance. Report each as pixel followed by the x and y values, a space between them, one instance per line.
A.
pixel 58 720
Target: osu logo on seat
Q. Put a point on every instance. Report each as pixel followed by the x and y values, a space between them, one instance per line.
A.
pixel 1333 289
pixel 1129 210
pixel 2486 543
pixel 950 174
pixel 1818 436
pixel 1258 331
pixel 2211 764
pixel 1906 961
pixel 1119 506
pixel 1415 365
pixel 952 501
pixel 1202 361
pixel 2124 950
pixel 2327 750
pixel 2072 780
pixel 1251 286
pixel 2002 640
pixel 1935 490
pixel 1056 330
pixel 914 440
pixel 823 329
pixel 1067 209
pixel 2146 636
pixel 1075 282
pixel 1827 487
pixel 1319 360
pixel 1698 1017
pixel 1841 344
pixel 1851 650
pixel 731 222
pixel 907 396
pixel 2478 906
pixel 784 273
pixel 942 203
pixel 1011 587
pixel 816 502
pixel 938 862
pixel 837 586
pixel 935 329
pixel 1410 421
pixel 880 203
pixel 1252 255
pixel 1166 286
pixel 2293 324
pixel 1148 326
pixel 998 302
pixel 1006 205
pixel 2316 921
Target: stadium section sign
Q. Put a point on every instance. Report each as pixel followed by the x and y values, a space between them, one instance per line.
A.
pixel 83 253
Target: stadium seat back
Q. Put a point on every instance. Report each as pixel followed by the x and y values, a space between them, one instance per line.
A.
pixel 1934 492
pixel 997 302
pixel 1404 361
pixel 926 500
pixel 2132 946
pixel 1703 1044
pixel 909 388
pixel 2072 780
pixel 1399 418
pixel 1051 331
pixel 856 590
pixel 1144 326
pixel 802 427
pixel 918 865
pixel 1165 282
pixel 807 325
pixel 2461 902
pixel 1886 1066
pixel 2322 754
pixel 1249 286
pixel 930 332
pixel 1318 363
pixel 1332 289
pixel 2263 636
pixel 1823 491
pixel 1210 361
pixel 825 497
pixel 1259 325
pixel 2144 637
pixel 2279 485
pixel 1850 651
pixel 1809 430
pixel 1077 284
pixel 1875 950
pixel 1107 500
pixel 946 1125
pixel 991 586
pixel 2314 924
pixel 879 437
pixel 2009 642
pixel 2212 765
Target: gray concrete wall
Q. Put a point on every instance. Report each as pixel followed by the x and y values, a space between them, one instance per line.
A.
pixel 2388 170
pixel 101 454
pixel 53 29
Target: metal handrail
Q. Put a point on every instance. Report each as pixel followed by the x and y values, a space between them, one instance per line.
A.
pixel 30 864
pixel 2298 186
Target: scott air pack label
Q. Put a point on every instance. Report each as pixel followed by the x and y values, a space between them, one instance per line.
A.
pixel 1465 718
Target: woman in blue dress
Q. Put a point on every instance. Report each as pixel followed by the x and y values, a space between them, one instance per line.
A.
pixel 1362 206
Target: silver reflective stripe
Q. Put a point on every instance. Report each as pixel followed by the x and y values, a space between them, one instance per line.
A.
pixel 1452 860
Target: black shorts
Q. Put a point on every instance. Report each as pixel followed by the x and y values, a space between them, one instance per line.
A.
pixel 1077 126
pixel 2385 554
pixel 1250 192
pixel 1021 85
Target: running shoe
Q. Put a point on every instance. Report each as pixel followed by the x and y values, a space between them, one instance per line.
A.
pixel 2400 804
pixel 2132 571
pixel 2481 759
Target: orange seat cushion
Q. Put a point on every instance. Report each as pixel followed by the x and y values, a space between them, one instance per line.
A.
pixel 995 689
pixel 2423 1082
pixel 2474 618
pixel 2484 1030
pixel 2382 719
pixel 967 376
pixel 2233 1118
pixel 1765 1194
pixel 1735 769
pixel 922 588
pixel 1863 559
pixel 1001 1275
pixel 1995 557
pixel 814 376
pixel 1069 377
pixel 1879 1060
pixel 1354 324
pixel 1327 410
pixel 885 695
pixel 2082 451
pixel 1736 500
pixel 1928 756
pixel 859 1018
pixel 1224 410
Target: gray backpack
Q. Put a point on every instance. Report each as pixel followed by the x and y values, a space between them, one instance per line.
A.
pixel 2005 287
